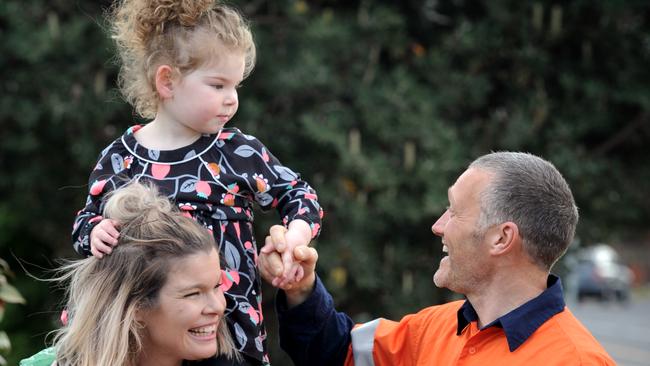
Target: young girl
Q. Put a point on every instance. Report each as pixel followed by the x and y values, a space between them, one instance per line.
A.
pixel 182 61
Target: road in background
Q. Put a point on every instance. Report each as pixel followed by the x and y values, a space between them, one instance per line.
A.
pixel 623 329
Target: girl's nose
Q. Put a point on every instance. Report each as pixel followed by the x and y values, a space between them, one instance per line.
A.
pixel 231 98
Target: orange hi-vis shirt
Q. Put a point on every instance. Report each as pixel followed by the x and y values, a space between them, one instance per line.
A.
pixel 540 332
pixel 430 338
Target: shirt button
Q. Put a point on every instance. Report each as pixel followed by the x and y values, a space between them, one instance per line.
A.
pixel 472 350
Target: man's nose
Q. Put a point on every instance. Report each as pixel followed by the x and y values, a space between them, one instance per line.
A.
pixel 438 227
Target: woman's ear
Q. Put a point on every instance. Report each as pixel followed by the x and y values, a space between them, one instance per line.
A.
pixel 165 81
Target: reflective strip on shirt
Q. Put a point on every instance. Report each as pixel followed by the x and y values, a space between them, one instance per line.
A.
pixel 363 339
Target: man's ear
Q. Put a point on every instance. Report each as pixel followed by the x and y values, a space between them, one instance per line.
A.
pixel 165 81
pixel 504 238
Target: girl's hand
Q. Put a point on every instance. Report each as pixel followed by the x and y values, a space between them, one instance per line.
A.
pixel 299 234
pixel 103 237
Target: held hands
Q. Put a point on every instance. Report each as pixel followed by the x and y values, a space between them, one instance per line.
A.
pixel 103 237
pixel 285 242
pixel 272 268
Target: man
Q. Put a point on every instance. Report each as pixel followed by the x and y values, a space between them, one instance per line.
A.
pixel 511 216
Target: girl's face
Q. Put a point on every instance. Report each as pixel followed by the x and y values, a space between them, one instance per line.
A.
pixel 184 322
pixel 205 99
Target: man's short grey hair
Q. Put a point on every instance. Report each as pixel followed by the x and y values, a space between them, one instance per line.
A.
pixel 531 192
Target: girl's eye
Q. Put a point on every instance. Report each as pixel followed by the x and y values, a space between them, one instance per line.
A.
pixel 218 86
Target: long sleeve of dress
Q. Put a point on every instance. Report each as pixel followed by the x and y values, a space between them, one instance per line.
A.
pixel 274 185
pixel 109 172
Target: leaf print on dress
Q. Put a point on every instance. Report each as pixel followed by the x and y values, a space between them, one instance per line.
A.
pixel 188 186
pixel 154 154
pixel 231 254
pixel 285 173
pixel 245 151
pixel 219 215
pixel 117 162
pixel 264 199
pixel 190 155
pixel 240 335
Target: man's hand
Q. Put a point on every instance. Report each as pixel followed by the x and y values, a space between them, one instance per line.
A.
pixel 272 267
pixel 103 237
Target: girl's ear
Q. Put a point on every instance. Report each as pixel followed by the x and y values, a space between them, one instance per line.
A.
pixel 165 81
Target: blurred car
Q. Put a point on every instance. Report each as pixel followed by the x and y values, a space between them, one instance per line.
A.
pixel 599 273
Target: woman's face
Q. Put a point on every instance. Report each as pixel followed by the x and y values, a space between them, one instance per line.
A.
pixel 183 324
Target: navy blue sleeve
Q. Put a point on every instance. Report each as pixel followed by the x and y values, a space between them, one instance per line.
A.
pixel 314 333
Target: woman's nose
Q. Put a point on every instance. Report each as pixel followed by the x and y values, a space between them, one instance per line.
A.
pixel 216 302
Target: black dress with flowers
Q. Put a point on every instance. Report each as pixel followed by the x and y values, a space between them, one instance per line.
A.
pixel 215 180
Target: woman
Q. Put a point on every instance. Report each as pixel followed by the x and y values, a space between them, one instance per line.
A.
pixel 155 300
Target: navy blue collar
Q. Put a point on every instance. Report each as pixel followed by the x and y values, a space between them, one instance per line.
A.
pixel 522 322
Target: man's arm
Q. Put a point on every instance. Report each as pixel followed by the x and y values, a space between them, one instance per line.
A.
pixel 313 332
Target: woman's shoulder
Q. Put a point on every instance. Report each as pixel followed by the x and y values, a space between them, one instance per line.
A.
pixel 46 357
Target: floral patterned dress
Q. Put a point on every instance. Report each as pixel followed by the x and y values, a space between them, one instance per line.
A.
pixel 215 180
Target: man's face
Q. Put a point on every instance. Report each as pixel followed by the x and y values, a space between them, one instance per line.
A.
pixel 466 263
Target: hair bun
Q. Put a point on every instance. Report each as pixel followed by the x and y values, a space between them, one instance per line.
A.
pixel 156 14
pixel 189 11
pixel 136 201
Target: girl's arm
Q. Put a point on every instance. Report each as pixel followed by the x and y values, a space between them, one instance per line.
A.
pixel 109 173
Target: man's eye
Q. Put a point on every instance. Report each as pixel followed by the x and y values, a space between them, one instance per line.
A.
pixel 192 294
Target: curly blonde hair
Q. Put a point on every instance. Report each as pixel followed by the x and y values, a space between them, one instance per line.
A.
pixel 184 34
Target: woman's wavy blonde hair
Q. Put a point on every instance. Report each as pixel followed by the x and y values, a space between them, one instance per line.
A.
pixel 184 34
pixel 104 295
